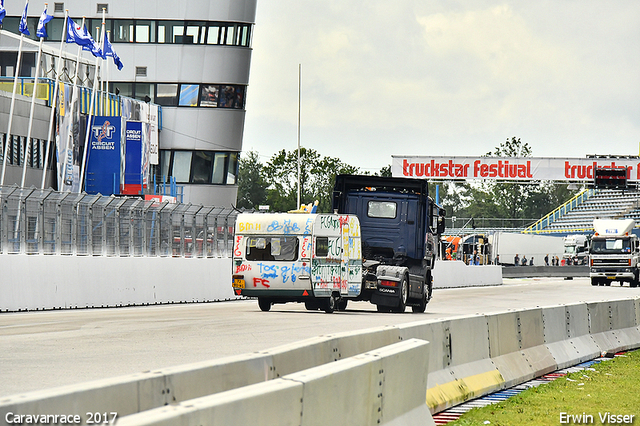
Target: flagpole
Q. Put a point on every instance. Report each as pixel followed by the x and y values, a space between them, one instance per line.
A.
pixel 33 104
pixel 93 99
pixel 299 86
pixel 33 98
pixel 13 102
pixel 54 102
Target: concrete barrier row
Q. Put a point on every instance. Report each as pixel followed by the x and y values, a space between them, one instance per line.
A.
pixel 384 386
pixel 63 282
pixel 468 357
pixel 129 281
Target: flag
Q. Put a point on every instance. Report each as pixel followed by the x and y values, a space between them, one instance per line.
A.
pixel 80 36
pixel 108 51
pixel 2 11
pixel 23 28
pixel 44 18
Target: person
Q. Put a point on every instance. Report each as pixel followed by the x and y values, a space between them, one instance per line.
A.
pixel 531 261
pixel 497 259
pixel 524 260
pixel 516 260
pixel 546 260
pixel 557 261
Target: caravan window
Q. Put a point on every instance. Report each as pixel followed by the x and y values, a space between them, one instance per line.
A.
pixel 272 248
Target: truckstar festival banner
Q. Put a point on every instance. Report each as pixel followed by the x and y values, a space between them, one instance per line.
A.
pixel 502 168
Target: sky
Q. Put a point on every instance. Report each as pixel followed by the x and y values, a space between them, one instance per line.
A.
pixel 444 78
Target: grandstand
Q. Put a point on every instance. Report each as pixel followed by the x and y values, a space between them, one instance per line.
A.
pixel 574 216
pixel 577 215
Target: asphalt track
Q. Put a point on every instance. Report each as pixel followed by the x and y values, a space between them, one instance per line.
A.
pixel 39 350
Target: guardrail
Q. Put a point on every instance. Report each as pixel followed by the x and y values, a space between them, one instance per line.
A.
pixel 468 357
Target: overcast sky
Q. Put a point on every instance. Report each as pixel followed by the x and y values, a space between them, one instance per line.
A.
pixel 444 77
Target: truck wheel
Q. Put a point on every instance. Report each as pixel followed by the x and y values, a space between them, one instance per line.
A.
pixel 426 296
pixel 342 304
pixel 265 304
pixel 329 305
pixel 594 281
pixel 404 294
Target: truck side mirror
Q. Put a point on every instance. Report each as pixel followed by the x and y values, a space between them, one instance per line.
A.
pixel 440 224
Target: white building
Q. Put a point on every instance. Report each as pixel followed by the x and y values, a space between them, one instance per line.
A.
pixel 192 57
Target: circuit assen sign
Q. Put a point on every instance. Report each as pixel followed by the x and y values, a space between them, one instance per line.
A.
pixel 505 168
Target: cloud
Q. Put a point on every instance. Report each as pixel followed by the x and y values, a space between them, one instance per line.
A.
pixel 456 77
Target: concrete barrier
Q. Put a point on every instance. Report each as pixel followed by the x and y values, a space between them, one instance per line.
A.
pixel 468 357
pixel 454 273
pixel 384 386
pixel 545 271
pixel 60 282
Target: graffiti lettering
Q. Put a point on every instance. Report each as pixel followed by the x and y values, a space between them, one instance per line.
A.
pixel 261 281
pixel 243 268
pixel 237 252
pixel 248 226
pixel 268 271
pixel 328 222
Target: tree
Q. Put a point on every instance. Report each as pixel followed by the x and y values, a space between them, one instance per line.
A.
pixel 317 177
pixel 252 188
pixel 510 198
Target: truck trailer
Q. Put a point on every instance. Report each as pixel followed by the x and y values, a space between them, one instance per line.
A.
pixel 506 245
pixel 380 245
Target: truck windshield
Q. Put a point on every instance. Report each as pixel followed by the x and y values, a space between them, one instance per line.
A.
pixel 611 245
pixel 569 250
pixel 272 248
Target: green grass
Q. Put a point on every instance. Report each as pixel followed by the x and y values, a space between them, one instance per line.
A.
pixel 609 386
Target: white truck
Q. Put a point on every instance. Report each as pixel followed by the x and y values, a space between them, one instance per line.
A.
pixel 615 252
pixel 576 249
pixel 507 245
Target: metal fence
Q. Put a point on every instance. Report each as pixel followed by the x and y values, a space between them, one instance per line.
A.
pixel 34 221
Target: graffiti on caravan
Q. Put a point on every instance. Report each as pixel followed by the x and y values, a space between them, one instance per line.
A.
pixel 505 168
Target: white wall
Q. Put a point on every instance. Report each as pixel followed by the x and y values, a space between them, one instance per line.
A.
pixel 454 273
pixel 53 282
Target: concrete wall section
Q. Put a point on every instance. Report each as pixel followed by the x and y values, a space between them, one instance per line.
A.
pixel 54 282
pixel 454 273
pixel 379 387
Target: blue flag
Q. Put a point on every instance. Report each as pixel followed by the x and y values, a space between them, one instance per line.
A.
pixel 23 28
pixel 44 18
pixel 2 11
pixel 108 51
pixel 80 36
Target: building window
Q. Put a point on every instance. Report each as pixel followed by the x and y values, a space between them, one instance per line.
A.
pixel 123 30
pixel 209 96
pixel 201 167
pixel 166 94
pixel 198 167
pixel 181 169
pixel 145 32
pixel 188 95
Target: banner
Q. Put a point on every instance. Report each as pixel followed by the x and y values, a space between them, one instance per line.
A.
pixel 506 168
pixel 103 162
pixel 133 170
pixel 69 137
